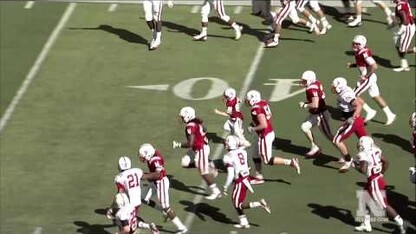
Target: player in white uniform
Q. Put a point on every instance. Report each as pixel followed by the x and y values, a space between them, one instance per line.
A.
pixel 125 214
pixel 373 164
pixel 239 172
pixel 358 15
pixel 129 181
pixel 153 16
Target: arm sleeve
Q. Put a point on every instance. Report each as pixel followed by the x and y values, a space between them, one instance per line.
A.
pixel 230 176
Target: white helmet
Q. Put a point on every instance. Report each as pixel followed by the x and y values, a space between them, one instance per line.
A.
pixel 187 113
pixel 359 42
pixel 230 93
pixel 253 97
pixel 124 163
pixel 232 142
pixel 339 84
pixel 146 151
pixel 121 199
pixel 309 77
pixel 365 143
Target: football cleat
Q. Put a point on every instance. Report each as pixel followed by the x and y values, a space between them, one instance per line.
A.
pixel 370 115
pixel 363 227
pixel 154 44
pixel 315 150
pixel 390 119
pixel 257 179
pixel 355 23
pixel 153 228
pixel 242 226
pixel 214 195
pixel 314 28
pixel 345 168
pixel 201 37
pixel 182 231
pixel 271 43
pixel 295 164
pixel 238 32
pixel 401 69
pixel 325 29
pixel 265 206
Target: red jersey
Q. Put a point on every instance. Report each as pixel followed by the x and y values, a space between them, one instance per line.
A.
pixel 363 59
pixel 262 107
pixel 195 127
pixel 404 6
pixel 233 109
pixel 316 90
pixel 157 164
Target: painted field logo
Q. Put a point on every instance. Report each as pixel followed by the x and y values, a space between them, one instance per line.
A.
pixel 368 206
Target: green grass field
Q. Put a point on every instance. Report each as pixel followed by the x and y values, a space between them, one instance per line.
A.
pixel 60 146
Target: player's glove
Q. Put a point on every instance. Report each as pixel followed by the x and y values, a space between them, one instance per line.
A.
pixel 250 129
pixel 303 105
pixel 176 144
pixel 170 3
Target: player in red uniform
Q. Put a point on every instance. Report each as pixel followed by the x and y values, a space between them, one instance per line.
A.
pixel 156 163
pixel 318 111
pixel 261 116
pixel 367 67
pixel 403 37
pixel 198 149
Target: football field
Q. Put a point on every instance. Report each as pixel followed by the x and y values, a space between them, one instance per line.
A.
pixel 79 89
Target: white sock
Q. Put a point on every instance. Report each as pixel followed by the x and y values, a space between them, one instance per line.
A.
pixel 398 220
pixel 276 36
pixel 243 220
pixel 358 17
pixel 205 30
pixel 254 204
pixel 367 108
pixel 404 63
pixel 235 26
pixel 178 223
pixel 324 21
pixel 367 219
pixel 143 225
pixel 387 110
pixel 312 19
pixel 214 188
pixel 158 35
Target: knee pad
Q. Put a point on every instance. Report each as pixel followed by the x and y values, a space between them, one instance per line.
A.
pixel 306 126
pixel 205 10
pixel 186 160
pixel 293 15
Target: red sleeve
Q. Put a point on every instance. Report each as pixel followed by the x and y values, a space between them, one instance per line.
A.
pixel 120 187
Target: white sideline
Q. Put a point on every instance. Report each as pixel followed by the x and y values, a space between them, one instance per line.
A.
pixel 218 150
pixel 29 4
pixel 35 67
pixel 112 7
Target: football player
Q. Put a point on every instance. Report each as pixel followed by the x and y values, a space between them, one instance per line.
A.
pixel 283 13
pixel 351 107
pixel 318 111
pixel 198 150
pixel 128 181
pixel 412 122
pixel 314 4
pixel 373 164
pixel 153 16
pixel 234 124
pixel 261 116
pixel 403 37
pixel 367 67
pixel 239 172
pixel 156 163
pixel 358 9
pixel 220 10
pixel 125 214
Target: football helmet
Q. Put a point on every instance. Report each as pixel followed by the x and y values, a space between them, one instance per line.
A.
pixel 308 77
pixel 124 163
pixel 359 42
pixel 146 151
pixel 230 93
pixel 253 97
pixel 339 84
pixel 365 143
pixel 231 142
pixel 187 113
pixel 121 199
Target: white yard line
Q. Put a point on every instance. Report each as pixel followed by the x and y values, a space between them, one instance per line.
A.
pixel 35 67
pixel 38 230
pixel 238 9
pixel 112 7
pixel 29 4
pixel 195 9
pixel 218 150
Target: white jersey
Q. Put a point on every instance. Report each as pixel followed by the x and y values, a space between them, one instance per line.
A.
pixel 238 160
pixel 373 159
pixel 345 97
pixel 126 215
pixel 129 180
